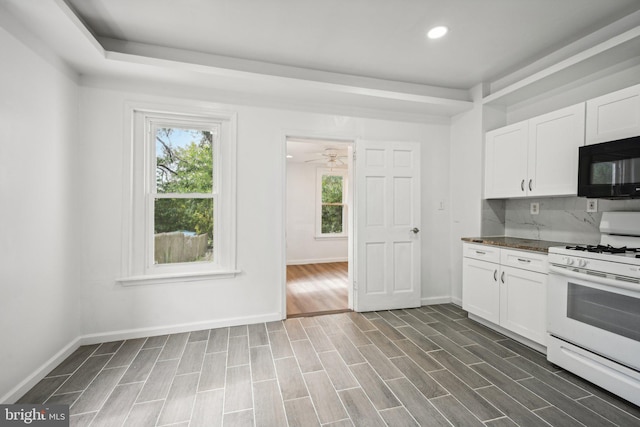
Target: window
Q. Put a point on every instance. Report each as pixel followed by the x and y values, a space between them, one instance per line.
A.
pixel 184 194
pixel 331 203
pixel 181 203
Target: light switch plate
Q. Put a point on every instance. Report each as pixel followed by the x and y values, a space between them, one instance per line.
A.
pixel 535 208
pixel 592 205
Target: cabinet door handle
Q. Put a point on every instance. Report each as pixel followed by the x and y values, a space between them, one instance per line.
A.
pixel 530 185
pixel 524 260
pixel 502 277
pixel 495 275
pixel 481 252
pixel 522 185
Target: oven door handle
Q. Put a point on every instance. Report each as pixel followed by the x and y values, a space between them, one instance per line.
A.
pixel 605 281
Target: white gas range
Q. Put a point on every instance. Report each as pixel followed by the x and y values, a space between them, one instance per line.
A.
pixel 593 307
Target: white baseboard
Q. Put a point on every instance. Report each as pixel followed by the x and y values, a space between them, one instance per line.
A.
pixel 315 261
pixel 27 384
pixel 457 301
pixel 128 334
pixel 435 300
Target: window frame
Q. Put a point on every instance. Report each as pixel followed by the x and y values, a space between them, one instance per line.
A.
pixel 320 172
pixel 151 191
pixel 140 194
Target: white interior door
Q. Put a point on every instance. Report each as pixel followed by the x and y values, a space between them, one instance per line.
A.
pixel 387 240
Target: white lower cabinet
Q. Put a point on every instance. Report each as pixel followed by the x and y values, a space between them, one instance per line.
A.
pixel 509 291
pixel 523 303
pixel 480 289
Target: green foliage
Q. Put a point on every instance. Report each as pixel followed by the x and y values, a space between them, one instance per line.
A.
pixel 331 219
pixel 331 189
pixel 184 168
pixel 332 214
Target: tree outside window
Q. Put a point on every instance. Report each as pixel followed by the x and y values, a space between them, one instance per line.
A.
pixel 183 220
pixel 332 205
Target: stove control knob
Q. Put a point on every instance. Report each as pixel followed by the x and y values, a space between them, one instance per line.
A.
pixel 569 261
pixel 582 263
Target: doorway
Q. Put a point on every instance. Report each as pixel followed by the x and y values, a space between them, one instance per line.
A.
pixel 319 224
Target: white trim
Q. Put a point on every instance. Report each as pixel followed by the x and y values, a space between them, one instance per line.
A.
pixel 331 236
pixel 42 371
pixel 28 383
pixel 127 334
pixel 435 300
pixel 457 301
pixel 137 259
pixel 316 261
pixel 158 279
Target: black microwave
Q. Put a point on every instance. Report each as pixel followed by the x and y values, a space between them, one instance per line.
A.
pixel 610 170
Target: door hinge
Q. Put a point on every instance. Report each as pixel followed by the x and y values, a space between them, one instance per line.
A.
pixel 355 285
pixel 354 155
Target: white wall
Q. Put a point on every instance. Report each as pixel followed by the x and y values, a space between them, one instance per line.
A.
pixel 256 293
pixel 302 246
pixel 39 310
pixel 435 232
pixel 466 180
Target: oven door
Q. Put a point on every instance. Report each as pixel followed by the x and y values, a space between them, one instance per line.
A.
pixel 601 315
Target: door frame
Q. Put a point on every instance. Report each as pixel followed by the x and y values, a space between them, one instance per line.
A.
pixel 351 215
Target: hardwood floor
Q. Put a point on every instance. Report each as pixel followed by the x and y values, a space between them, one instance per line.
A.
pixel 316 288
pixel 428 366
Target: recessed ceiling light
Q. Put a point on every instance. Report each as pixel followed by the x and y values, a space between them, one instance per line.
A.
pixel 289 156
pixel 437 32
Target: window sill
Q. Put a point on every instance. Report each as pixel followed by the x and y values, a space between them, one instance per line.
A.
pixel 174 278
pixel 331 237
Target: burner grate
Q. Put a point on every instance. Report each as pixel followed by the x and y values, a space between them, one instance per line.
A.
pixel 608 249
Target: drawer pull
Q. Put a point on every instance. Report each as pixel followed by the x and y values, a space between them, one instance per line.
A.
pixel 481 252
pixel 524 260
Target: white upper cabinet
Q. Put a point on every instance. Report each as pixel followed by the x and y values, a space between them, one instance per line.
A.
pixel 554 139
pixel 506 161
pixel 537 157
pixel 614 116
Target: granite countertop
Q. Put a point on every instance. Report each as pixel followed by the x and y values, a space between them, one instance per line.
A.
pixel 515 243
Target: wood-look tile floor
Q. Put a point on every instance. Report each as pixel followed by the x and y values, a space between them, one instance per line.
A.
pixel 430 366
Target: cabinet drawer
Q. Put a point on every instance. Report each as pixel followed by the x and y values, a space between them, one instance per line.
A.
pixel 481 252
pixel 525 260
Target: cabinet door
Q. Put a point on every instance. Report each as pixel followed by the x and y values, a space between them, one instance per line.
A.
pixel 480 289
pixel 523 303
pixel 554 139
pixel 614 116
pixel 506 161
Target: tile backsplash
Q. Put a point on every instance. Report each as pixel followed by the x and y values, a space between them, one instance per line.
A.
pixel 561 219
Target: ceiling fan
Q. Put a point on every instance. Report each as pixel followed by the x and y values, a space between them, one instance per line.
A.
pixel 331 156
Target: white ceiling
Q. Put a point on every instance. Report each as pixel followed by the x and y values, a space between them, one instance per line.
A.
pixel 347 57
pixel 383 39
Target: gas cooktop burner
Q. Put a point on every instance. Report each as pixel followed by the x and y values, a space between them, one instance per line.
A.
pixel 608 249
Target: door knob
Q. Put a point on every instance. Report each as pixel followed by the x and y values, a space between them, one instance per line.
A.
pixel 415 230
